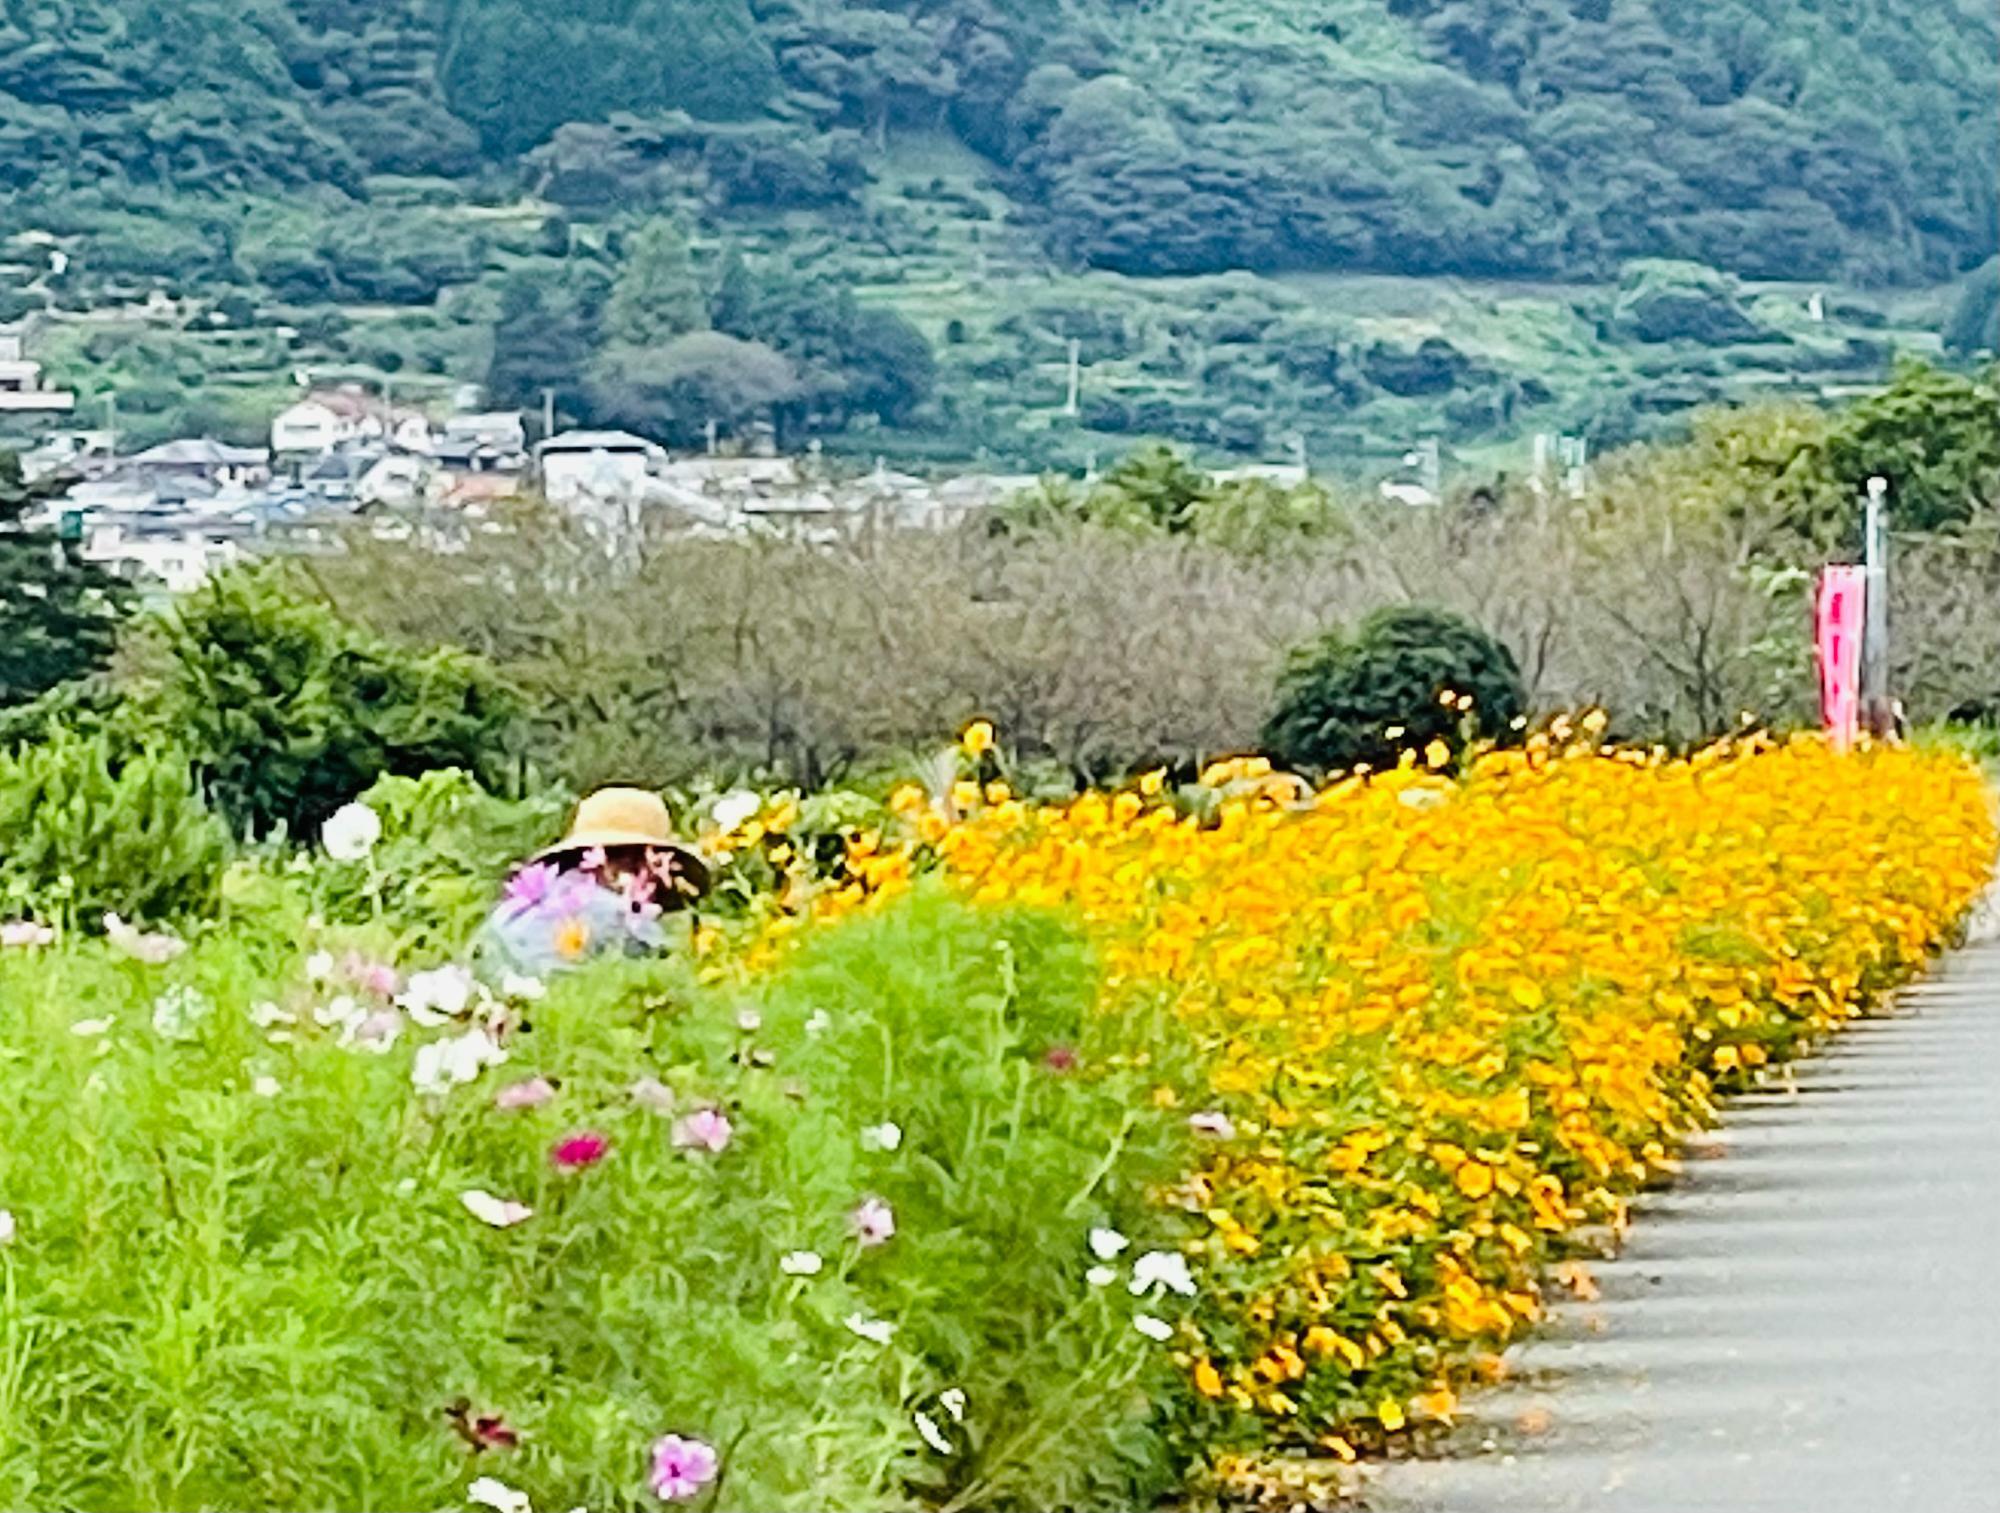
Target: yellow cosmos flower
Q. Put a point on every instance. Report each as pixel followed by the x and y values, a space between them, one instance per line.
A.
pixel 1451 1034
pixel 572 939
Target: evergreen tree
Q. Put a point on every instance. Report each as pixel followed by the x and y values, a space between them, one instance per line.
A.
pixel 657 296
pixel 542 339
pixel 58 614
pixel 731 307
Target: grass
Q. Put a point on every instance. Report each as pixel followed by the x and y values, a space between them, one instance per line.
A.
pixel 244 1275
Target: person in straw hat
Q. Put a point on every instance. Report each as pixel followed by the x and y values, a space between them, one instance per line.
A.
pixel 604 888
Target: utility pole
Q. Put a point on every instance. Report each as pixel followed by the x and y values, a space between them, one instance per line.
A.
pixel 1075 405
pixel 1877 712
pixel 548 413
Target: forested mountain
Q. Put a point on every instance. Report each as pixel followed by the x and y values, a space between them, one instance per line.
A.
pixel 1855 142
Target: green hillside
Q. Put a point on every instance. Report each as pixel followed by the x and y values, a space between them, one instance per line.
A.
pixel 1469 218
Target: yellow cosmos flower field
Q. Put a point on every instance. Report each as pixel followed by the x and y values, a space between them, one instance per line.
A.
pixel 1453 1026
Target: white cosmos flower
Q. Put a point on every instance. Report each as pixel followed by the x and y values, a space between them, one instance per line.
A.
pixel 749 1021
pixel 341 1013
pixel 801 1263
pixel 1100 1276
pixel 882 1137
pixel 1152 1328
pixel 1162 1268
pixel 91 1029
pixel 376 1034
pixel 267 1014
pixel 650 1092
pixel 735 810
pixel 319 966
pixel 522 988
pixel 445 1064
pixel 1107 1244
pixel 7 1226
pixel 933 1436
pixel 25 933
pixel 1213 1122
pixel 876 1331
pixel 953 1399
pixel 501 1213
pixel 265 1087
pixel 352 832
pixel 819 1022
pixel 490 1492
pixel 437 996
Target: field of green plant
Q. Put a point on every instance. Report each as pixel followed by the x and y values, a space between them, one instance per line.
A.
pixel 984 1167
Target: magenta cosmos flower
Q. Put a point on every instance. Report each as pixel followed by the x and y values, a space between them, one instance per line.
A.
pixel 706 1129
pixel 585 1148
pixel 874 1221
pixel 531 884
pixel 682 1467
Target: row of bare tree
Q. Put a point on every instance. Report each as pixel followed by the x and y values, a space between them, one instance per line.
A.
pixel 658 651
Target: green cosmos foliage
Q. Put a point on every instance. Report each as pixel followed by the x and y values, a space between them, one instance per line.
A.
pixel 446 844
pixel 233 1291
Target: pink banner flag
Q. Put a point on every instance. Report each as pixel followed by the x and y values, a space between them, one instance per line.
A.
pixel 1838 620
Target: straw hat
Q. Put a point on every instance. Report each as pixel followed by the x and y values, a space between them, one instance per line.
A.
pixel 614 817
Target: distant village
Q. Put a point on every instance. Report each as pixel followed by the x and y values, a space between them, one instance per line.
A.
pixel 174 513
pixel 345 456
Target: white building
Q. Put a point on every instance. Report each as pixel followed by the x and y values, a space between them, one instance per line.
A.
pixel 331 418
pixel 600 468
pixel 310 428
pixel 21 390
pixel 499 430
pixel 205 458
pixel 180 559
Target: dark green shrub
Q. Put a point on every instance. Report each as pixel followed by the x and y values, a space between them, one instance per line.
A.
pixel 1974 325
pixel 93 825
pixel 288 712
pixel 1368 698
pixel 1663 300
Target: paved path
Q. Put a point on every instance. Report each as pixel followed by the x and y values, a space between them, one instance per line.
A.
pixel 1809 1323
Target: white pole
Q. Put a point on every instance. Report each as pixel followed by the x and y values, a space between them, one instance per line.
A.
pixel 1875 710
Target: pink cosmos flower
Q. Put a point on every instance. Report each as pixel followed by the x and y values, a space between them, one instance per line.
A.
pixel 531 884
pixel 378 1031
pixel 1059 1059
pixel 531 1092
pixel 706 1129
pixel 682 1467
pixel 376 977
pixel 874 1222
pixel 585 1148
